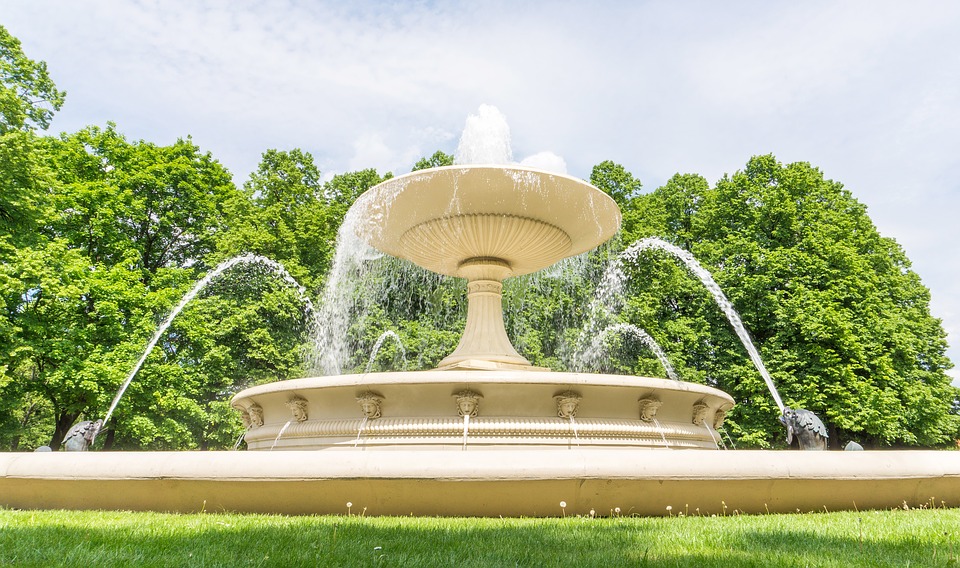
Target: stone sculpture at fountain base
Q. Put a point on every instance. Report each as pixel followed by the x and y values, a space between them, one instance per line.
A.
pixel 806 427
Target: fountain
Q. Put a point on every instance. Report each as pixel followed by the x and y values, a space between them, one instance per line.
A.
pixel 486 432
pixel 485 223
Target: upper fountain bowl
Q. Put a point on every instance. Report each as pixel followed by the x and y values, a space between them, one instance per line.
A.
pixel 447 219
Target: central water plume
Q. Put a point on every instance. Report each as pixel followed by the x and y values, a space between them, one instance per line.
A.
pixel 485 138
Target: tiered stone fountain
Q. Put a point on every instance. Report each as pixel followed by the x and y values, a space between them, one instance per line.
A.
pixel 484 224
pixel 486 433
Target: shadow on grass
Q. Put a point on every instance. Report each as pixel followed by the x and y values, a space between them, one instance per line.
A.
pixel 62 538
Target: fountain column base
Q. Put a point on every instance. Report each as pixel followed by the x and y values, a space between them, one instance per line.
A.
pixel 484 365
pixel 484 344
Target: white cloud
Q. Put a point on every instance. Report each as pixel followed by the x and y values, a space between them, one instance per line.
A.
pixel 546 161
pixel 370 150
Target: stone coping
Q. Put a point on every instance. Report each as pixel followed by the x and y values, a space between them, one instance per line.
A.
pixel 489 483
pixel 468 377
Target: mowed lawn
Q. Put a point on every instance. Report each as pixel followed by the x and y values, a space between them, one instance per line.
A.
pixel 918 537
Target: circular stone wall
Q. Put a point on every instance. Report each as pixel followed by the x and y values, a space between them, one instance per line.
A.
pixel 481 409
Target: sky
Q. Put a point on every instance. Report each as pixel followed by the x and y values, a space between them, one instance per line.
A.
pixel 867 91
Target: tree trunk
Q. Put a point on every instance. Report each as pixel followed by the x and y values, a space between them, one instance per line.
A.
pixel 834 442
pixel 108 443
pixel 64 421
pixel 15 442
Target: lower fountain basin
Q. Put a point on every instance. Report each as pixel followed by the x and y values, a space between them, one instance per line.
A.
pixel 490 483
pixel 513 409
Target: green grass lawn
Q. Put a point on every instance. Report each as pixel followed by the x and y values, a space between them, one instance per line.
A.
pixel 919 537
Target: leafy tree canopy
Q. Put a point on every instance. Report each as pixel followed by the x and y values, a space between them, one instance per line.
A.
pixel 616 181
pixel 840 319
pixel 28 96
pixel 165 203
pixel 28 99
pixel 435 161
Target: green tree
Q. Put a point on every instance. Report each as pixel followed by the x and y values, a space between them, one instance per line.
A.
pixel 616 181
pixel 166 203
pixel 280 214
pixel 28 96
pixel 28 99
pixel 435 161
pixel 135 227
pixel 840 319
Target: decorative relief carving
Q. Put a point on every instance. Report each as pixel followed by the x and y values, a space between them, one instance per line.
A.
pixel 568 402
pixel 468 402
pixel 370 402
pixel 255 411
pixel 244 415
pixel 298 407
pixel 484 286
pixel 700 413
pixel 648 408
pixel 719 416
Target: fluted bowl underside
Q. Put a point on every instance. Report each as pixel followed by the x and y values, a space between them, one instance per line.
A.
pixel 443 245
pixel 441 217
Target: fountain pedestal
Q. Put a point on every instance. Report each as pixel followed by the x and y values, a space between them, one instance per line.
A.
pixel 484 343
